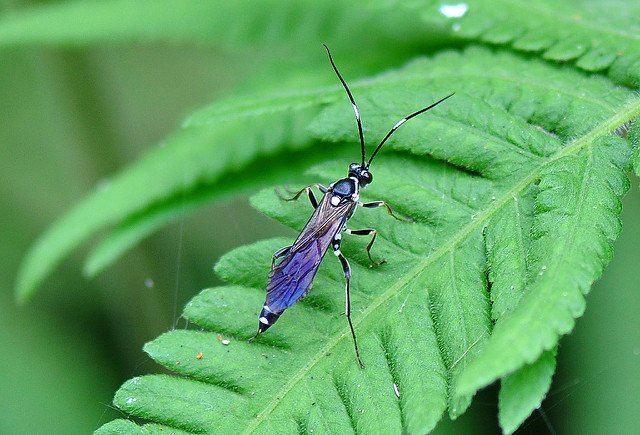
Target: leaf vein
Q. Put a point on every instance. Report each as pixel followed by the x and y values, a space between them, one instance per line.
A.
pixel 346 402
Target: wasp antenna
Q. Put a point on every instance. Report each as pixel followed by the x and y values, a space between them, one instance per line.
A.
pixel 353 101
pixel 402 121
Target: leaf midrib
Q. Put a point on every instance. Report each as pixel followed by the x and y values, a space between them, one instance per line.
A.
pixel 627 113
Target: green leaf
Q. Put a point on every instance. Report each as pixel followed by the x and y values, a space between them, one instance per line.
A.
pixel 85 22
pixel 213 145
pixel 523 391
pixel 634 137
pixel 567 255
pixel 120 426
pixel 281 168
pixel 241 23
pixel 514 188
pixel 138 207
pixel 592 35
pixel 117 427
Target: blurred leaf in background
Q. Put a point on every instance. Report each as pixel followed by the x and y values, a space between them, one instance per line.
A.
pixel 70 118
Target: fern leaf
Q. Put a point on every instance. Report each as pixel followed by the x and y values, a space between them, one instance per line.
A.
pixel 594 36
pixel 634 137
pixel 515 191
pixel 158 204
pixel 140 224
pixel 572 207
pixel 242 23
pixel 507 259
pixel 189 167
pixel 80 22
pixel 522 391
pixel 117 427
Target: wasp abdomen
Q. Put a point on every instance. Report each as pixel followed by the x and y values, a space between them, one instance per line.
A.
pixel 267 318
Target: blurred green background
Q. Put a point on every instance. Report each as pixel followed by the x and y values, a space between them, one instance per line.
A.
pixel 69 118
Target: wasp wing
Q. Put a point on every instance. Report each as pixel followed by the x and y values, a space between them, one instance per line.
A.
pixel 291 279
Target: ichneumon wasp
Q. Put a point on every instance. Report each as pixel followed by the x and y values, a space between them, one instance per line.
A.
pixel 291 278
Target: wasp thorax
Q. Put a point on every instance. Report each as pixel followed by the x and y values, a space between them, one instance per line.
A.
pixel 344 187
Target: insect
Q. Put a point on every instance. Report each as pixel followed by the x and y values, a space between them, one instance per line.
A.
pixel 292 277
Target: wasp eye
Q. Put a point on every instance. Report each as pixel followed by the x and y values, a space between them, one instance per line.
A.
pixel 367 177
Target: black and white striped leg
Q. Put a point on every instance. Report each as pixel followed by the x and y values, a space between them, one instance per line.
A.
pixel 347 276
pixel 376 204
pixel 312 196
pixel 279 253
pixel 366 232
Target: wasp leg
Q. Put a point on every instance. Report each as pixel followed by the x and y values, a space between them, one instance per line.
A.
pixel 312 197
pixel 376 204
pixel 279 253
pixel 347 275
pixel 366 232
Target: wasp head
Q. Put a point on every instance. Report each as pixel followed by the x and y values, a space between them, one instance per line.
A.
pixel 361 172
